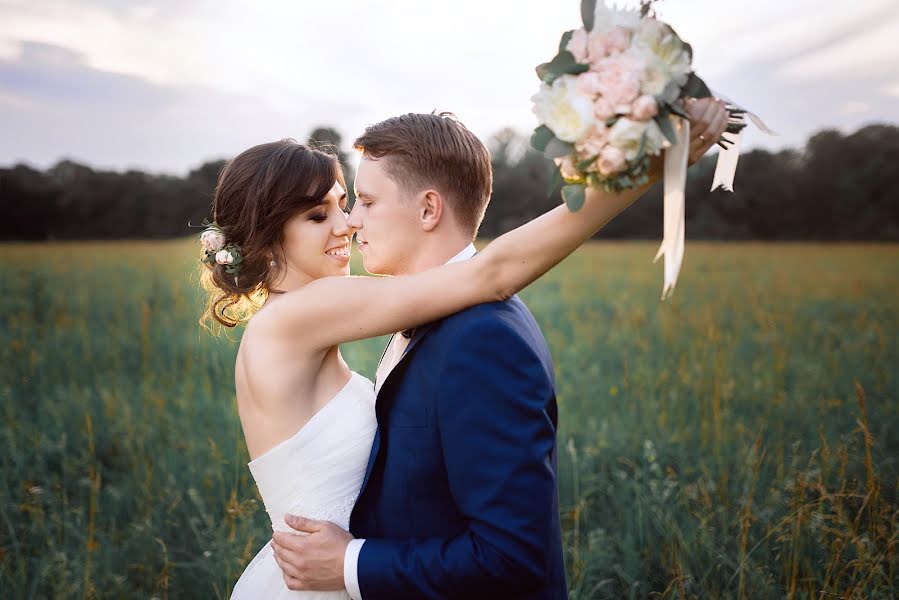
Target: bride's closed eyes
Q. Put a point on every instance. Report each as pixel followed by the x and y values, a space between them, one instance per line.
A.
pixel 321 217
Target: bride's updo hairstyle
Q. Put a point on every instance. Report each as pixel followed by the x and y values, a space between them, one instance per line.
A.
pixel 257 192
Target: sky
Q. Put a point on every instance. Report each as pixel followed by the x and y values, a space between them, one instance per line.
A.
pixel 165 85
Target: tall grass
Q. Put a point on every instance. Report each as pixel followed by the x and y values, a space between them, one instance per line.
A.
pixel 737 441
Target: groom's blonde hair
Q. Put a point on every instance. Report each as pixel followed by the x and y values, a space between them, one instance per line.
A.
pixel 434 150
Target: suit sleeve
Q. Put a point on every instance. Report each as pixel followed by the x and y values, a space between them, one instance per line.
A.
pixel 497 440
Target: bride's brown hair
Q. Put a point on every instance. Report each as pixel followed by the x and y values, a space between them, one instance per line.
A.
pixel 257 192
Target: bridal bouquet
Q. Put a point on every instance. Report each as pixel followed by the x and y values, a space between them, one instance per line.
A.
pixel 612 98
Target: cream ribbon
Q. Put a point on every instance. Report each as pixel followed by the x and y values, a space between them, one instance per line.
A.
pixel 675 182
pixel 726 167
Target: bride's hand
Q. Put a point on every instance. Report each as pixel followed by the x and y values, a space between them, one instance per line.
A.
pixel 708 120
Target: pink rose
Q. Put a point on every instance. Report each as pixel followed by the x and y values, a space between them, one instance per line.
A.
pixel 588 84
pixel 620 79
pixel 611 160
pixel 606 43
pixel 577 45
pixel 596 49
pixel 567 168
pixel 617 39
pixel 212 240
pixel 593 144
pixel 644 108
pixel 223 257
pixel 603 109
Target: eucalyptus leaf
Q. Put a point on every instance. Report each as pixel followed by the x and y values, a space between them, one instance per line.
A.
pixel 671 91
pixel 566 37
pixel 667 128
pixel 556 148
pixel 735 127
pixel 677 107
pixel 543 73
pixel 585 164
pixel 574 196
pixel 555 180
pixel 696 87
pixel 562 64
pixel 642 149
pixel 588 13
pixel 541 137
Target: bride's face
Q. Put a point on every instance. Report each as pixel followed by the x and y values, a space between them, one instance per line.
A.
pixel 317 240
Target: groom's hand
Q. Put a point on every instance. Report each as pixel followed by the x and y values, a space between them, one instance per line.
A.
pixel 313 561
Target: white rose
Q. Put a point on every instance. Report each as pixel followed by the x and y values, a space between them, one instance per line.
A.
pixel 564 110
pixel 666 58
pixel 626 134
pixel 649 33
pixel 223 257
pixel 212 240
pixel 605 19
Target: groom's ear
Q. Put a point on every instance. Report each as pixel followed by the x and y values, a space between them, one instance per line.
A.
pixel 431 209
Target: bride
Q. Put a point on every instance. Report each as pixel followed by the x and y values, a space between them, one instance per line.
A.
pixel 277 258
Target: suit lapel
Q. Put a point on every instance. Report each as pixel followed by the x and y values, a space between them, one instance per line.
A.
pixel 375 447
pixel 384 353
pixel 417 335
pixel 376 443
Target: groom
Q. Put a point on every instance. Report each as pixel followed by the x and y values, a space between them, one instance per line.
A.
pixel 460 496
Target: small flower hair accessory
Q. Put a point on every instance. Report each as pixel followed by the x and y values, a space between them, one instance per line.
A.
pixel 218 252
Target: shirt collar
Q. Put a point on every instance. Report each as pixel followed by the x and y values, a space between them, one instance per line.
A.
pixel 466 253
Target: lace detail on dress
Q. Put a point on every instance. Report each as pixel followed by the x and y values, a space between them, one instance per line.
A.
pixel 337 512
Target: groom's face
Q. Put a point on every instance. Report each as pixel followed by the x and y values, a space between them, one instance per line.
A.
pixel 387 223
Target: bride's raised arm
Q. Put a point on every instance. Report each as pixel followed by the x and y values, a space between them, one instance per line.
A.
pixel 333 310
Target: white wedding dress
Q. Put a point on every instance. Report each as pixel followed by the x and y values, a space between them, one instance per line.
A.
pixel 316 473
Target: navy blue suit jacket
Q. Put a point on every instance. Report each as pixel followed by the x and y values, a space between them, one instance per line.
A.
pixel 460 498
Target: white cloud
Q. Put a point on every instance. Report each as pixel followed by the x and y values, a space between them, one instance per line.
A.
pixel 726 35
pixel 868 53
pixel 891 89
pixel 855 107
pixel 290 65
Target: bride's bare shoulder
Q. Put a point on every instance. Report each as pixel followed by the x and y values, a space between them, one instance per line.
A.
pixel 274 376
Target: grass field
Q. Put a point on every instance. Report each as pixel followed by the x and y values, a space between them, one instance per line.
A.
pixel 740 440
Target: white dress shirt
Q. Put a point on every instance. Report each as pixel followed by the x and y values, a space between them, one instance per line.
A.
pixel 392 356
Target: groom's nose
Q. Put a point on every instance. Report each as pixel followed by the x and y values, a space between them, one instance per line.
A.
pixel 342 229
pixel 354 219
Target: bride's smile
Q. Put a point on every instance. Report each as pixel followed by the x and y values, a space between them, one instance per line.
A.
pixel 317 241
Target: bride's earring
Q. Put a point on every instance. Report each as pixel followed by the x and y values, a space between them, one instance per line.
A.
pixel 272 264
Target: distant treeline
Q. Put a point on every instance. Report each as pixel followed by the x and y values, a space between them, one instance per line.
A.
pixel 839 187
